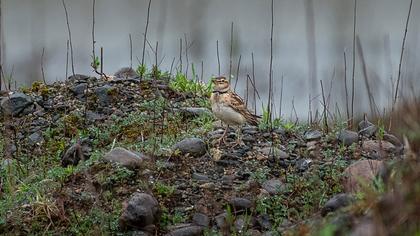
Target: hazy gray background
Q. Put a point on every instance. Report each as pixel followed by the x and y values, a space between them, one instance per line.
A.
pixel 309 41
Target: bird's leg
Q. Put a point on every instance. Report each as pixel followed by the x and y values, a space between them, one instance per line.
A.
pixel 223 138
pixel 238 137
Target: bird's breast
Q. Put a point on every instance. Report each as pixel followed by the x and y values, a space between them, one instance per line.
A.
pixel 227 114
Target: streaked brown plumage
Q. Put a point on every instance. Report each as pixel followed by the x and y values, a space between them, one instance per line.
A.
pixel 228 106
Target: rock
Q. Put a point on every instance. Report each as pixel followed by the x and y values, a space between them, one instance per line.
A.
pixel 228 179
pixel 364 124
pixel 18 104
pixel 240 204
pixel 75 153
pixel 200 177
pixel 365 227
pixel 79 90
pixel 78 78
pixel 347 137
pixel 221 221
pixel 313 135
pixel 93 116
pixel 369 131
pixel 394 140
pixel 273 186
pixel 139 211
pixel 240 224
pixel 35 138
pixel 303 164
pixel 126 73
pixel 193 146
pixel 274 152
pixel 140 233
pixel 187 231
pixel 336 202
pixel 125 158
pixel 253 232
pixel 105 95
pixel 201 219
pixel 378 149
pixel 195 111
pixel 359 173
pixel 264 222
pixel 216 134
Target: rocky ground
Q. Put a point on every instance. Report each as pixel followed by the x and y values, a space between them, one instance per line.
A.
pixel 133 156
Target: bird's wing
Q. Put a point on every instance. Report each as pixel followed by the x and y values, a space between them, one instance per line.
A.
pixel 237 104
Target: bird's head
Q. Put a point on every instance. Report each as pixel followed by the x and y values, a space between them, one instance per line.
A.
pixel 221 84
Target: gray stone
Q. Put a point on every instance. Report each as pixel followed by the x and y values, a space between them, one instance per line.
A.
pixel 201 219
pixel 18 104
pixel 93 116
pixel 336 202
pixel 366 227
pixel 240 204
pixel 35 138
pixel 75 153
pixel 126 73
pixel 187 231
pixel 200 177
pixel 78 78
pixel 79 90
pixel 360 173
pixel 140 233
pixel 264 222
pixel 125 158
pixel 369 131
pixel 105 94
pixel 364 124
pixel 378 149
pixel 303 164
pixel 274 152
pixel 347 137
pixel 273 186
pixel 313 135
pixel 139 211
pixel 392 139
pixel 193 146
pixel 195 111
pixel 221 221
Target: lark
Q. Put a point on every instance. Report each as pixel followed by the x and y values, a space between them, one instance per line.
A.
pixel 229 107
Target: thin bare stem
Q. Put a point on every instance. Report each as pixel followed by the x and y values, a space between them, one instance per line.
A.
pixel 1 46
pixel 237 72
pixel 218 58
pixel 180 55
pixel 325 108
pixel 247 89
pixel 202 71
pixel 172 66
pixel 281 95
pixel 253 81
pixel 93 31
pixel 145 35
pixel 67 60
pixel 354 61
pixel 131 50
pixel 372 103
pixel 186 56
pixel 270 75
pixel 346 90
pixel 231 52
pixel 42 66
pixel 401 61
pixel 102 60
pixel 69 32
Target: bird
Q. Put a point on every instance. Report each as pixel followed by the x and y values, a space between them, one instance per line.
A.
pixel 229 107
